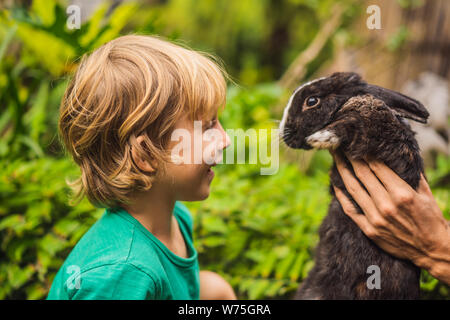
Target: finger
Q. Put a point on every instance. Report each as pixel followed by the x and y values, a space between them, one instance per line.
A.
pixel 358 193
pixel 402 194
pixel 376 189
pixel 345 202
pixel 361 220
pixel 391 181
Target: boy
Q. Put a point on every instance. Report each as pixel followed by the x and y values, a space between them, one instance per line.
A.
pixel 116 120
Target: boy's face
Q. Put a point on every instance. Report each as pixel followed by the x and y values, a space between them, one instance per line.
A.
pixel 197 147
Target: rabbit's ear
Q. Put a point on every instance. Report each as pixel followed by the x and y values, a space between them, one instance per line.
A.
pixel 402 105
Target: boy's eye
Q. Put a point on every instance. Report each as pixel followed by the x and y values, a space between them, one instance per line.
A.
pixel 211 123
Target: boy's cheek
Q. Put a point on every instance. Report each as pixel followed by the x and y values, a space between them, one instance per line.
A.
pixel 212 154
pixel 186 174
pixel 190 182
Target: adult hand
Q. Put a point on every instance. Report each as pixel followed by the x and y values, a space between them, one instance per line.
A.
pixel 402 221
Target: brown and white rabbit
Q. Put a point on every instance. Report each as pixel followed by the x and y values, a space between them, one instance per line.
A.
pixel 344 113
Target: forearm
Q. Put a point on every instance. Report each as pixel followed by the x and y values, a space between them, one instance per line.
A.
pixel 214 287
pixel 437 262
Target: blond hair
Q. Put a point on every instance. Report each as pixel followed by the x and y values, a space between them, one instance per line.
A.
pixel 131 86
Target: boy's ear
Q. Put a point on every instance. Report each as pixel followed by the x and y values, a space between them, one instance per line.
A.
pixel 143 164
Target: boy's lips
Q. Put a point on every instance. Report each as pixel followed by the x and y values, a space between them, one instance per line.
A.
pixel 210 172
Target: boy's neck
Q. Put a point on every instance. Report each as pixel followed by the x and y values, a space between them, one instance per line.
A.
pixel 153 209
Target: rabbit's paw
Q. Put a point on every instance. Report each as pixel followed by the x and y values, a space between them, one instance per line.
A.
pixel 323 139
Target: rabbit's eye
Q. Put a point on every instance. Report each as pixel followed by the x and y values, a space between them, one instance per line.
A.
pixel 312 101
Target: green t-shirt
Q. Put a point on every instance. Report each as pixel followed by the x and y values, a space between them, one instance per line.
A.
pixel 119 259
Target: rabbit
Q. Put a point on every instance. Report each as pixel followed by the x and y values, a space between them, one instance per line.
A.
pixel 343 113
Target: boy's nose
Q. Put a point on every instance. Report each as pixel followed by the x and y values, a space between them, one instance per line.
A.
pixel 226 138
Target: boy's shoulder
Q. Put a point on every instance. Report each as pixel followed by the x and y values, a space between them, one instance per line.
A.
pixel 108 241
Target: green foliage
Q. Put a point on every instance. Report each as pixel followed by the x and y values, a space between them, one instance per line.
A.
pixel 266 36
pixel 37 227
pixel 44 33
pixel 36 51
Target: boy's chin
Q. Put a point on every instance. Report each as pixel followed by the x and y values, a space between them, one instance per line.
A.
pixel 200 195
pixel 204 194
